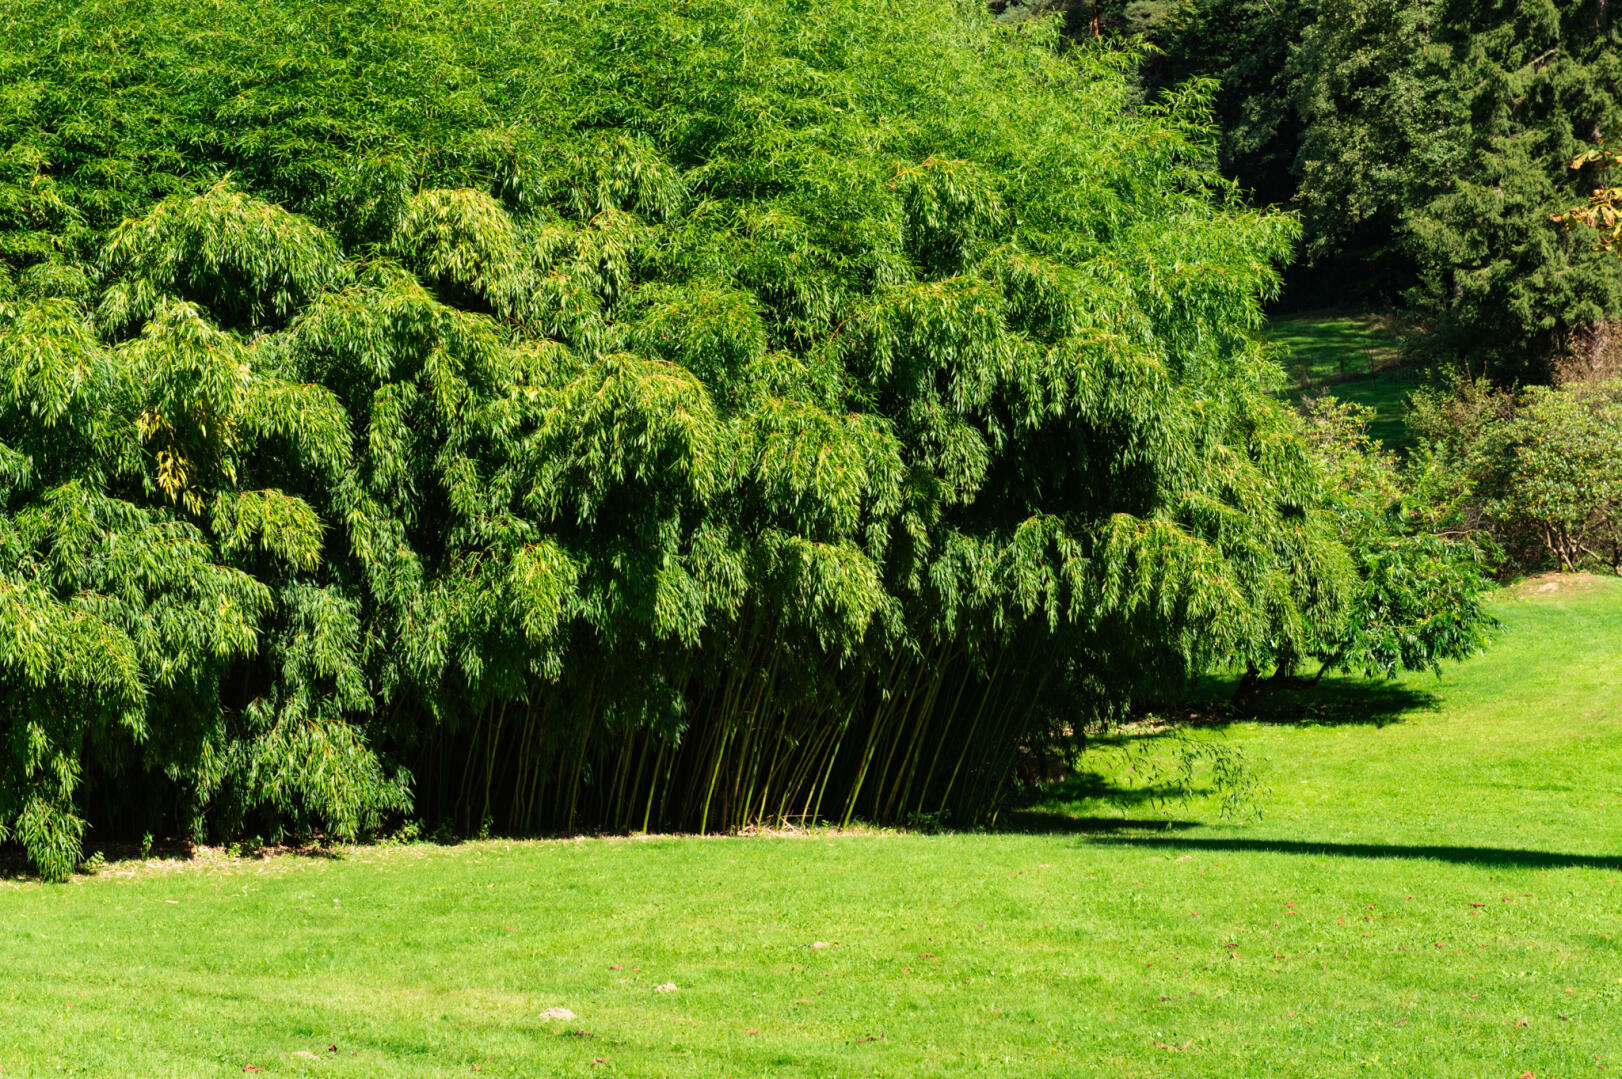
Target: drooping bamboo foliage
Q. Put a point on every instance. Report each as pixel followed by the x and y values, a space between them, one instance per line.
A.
pixel 701 415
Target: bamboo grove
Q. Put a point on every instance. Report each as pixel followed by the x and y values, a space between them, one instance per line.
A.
pixel 624 415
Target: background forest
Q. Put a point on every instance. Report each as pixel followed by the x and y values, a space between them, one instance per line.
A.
pixel 1424 145
pixel 510 418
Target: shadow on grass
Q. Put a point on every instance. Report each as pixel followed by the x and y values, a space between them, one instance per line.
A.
pixel 1097 787
pixel 1334 702
pixel 1495 856
pixel 1044 811
pixel 1048 822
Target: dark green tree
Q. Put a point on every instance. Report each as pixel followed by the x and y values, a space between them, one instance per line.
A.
pixel 1426 147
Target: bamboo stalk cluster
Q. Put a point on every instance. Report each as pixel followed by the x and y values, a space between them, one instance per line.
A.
pixel 702 417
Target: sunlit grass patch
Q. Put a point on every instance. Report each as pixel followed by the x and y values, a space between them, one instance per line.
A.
pixel 1355 356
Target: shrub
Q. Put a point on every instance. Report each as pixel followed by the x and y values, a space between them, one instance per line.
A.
pixel 1419 591
pixel 1535 471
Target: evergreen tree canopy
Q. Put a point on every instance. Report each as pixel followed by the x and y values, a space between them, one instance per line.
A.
pixel 1426 146
pixel 612 414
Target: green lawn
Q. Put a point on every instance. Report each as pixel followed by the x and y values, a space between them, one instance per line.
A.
pixel 1322 345
pixel 1434 890
pixel 1353 355
pixel 1386 393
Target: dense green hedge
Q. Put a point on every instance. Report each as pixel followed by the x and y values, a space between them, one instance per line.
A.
pixel 619 414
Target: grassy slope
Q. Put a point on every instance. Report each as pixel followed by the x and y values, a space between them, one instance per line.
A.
pixel 1353 357
pixel 1330 344
pixel 1339 936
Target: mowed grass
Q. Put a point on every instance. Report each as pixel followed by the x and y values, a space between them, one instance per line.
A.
pixel 1355 356
pixel 1433 890
pixel 1322 345
pixel 1386 393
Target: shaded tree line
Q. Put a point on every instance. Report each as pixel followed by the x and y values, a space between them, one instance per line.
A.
pixel 1425 147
